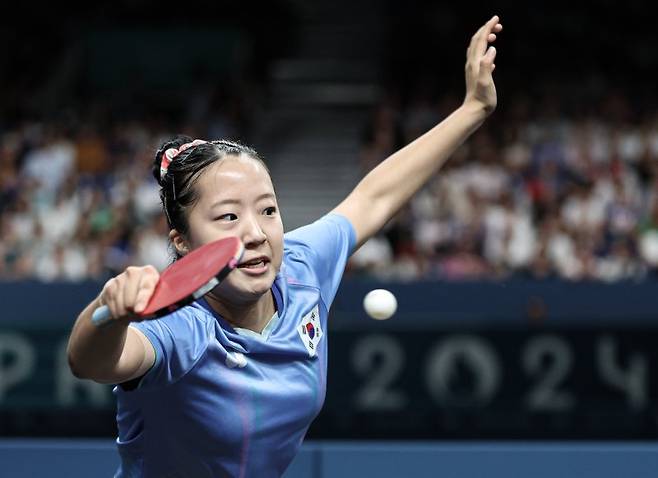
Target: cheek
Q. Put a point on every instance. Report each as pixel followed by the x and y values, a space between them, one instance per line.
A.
pixel 275 237
pixel 195 229
pixel 200 235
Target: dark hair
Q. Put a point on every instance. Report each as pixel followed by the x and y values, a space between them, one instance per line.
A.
pixel 177 191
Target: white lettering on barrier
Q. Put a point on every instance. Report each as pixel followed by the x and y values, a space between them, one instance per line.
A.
pixel 380 360
pixel 451 359
pixel 17 361
pixel 632 381
pixel 549 358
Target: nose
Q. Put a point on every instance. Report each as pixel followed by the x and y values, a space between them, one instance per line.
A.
pixel 252 234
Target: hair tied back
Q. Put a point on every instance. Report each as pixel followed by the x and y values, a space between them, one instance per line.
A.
pixel 170 154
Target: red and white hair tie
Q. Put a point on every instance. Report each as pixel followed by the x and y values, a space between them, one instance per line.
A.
pixel 170 154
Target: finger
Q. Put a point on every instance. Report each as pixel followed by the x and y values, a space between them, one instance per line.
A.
pixel 146 288
pixel 118 298
pixel 483 33
pixel 131 288
pixel 474 39
pixel 491 37
pixel 108 296
pixel 491 53
pixel 112 305
pixel 486 64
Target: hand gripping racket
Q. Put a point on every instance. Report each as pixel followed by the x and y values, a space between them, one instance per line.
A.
pixel 187 279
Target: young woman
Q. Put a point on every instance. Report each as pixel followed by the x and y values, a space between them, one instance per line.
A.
pixel 229 385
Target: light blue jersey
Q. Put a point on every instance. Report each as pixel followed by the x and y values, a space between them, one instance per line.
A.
pixel 225 402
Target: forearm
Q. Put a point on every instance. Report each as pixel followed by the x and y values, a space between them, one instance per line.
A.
pixel 94 352
pixel 381 194
pixel 394 181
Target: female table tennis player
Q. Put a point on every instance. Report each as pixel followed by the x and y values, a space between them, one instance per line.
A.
pixel 229 385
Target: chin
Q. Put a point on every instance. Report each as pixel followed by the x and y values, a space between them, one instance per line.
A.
pixel 242 287
pixel 255 285
pixel 263 285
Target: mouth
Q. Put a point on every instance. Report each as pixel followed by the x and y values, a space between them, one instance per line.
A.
pixel 256 266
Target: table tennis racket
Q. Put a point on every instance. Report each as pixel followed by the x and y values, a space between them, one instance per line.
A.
pixel 187 279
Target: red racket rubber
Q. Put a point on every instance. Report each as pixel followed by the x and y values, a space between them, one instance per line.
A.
pixel 187 279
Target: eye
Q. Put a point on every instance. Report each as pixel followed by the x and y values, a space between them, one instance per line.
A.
pixel 226 217
pixel 270 210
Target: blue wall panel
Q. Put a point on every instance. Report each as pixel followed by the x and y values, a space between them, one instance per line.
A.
pixel 82 459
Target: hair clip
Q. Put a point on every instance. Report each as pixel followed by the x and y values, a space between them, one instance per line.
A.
pixel 170 154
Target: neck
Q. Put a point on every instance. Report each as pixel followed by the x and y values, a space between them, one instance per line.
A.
pixel 253 316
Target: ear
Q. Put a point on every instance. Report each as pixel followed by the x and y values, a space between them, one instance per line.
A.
pixel 179 242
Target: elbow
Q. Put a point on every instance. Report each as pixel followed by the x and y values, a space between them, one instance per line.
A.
pixel 79 370
pixel 77 367
pixel 74 365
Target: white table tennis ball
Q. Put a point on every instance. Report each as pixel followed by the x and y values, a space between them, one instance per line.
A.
pixel 380 304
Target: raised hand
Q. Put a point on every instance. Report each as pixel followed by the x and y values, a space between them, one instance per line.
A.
pixel 480 56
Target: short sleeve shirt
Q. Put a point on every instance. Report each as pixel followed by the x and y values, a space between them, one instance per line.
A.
pixel 224 402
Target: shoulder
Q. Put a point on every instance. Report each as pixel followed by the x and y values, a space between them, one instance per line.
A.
pixel 179 340
pixel 328 232
pixel 331 220
pixel 192 314
pixel 311 250
pixel 191 321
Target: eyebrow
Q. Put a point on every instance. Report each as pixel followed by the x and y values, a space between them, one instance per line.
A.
pixel 237 201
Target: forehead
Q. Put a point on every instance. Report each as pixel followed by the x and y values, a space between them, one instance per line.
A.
pixel 234 177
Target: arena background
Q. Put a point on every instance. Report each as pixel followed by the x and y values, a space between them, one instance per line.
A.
pixel 524 342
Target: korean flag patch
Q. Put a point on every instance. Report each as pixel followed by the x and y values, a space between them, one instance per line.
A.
pixel 310 331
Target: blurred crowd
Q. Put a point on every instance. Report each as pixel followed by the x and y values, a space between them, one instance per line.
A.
pixel 546 189
pixel 539 191
pixel 77 197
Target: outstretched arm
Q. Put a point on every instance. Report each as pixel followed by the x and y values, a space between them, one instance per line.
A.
pixel 381 194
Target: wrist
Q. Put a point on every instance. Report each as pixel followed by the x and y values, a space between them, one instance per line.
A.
pixel 472 114
pixel 474 110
